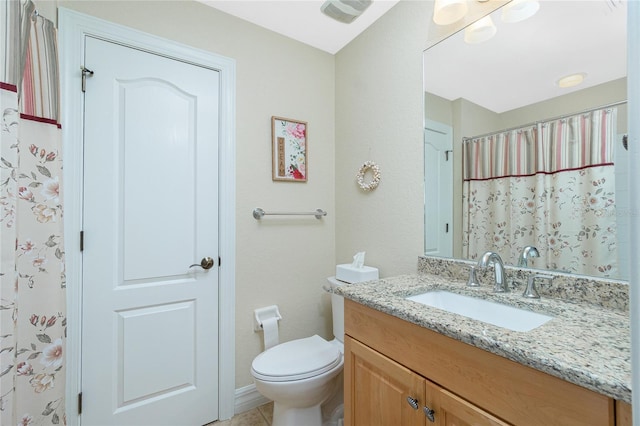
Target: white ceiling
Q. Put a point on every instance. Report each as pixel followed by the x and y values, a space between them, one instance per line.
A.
pixel 517 67
pixel 302 20
pixel 521 64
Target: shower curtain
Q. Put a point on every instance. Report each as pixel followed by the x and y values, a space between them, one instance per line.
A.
pixel 550 185
pixel 32 274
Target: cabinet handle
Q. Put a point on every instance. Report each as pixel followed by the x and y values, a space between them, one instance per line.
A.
pixel 412 402
pixel 429 413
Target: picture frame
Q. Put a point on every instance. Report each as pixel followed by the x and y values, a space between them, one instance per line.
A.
pixel 289 150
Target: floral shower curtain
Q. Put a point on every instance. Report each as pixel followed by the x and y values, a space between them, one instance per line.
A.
pixel 550 186
pixel 32 275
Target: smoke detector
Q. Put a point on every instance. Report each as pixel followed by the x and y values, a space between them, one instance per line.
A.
pixel 344 11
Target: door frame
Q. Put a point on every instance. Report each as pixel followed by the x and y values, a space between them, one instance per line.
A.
pixel 73 28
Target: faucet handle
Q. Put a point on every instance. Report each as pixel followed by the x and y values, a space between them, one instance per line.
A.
pixel 531 292
pixel 473 279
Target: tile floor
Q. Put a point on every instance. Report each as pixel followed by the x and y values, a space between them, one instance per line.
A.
pixel 261 416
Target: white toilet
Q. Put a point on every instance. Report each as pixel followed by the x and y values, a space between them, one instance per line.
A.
pixel 301 375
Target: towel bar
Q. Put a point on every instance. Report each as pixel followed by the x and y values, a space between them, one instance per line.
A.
pixel 258 213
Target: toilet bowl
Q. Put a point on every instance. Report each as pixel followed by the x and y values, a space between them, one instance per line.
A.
pixel 301 375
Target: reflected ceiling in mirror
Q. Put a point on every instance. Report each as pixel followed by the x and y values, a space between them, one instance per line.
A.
pixel 474 11
pixel 523 62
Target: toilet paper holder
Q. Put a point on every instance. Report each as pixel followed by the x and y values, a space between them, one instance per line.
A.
pixel 262 314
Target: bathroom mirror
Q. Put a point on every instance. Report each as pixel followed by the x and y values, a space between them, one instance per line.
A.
pixel 510 81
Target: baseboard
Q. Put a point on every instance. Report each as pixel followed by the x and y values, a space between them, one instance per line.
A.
pixel 248 398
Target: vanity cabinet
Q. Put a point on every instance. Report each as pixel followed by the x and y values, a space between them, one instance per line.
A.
pixel 388 360
pixel 383 392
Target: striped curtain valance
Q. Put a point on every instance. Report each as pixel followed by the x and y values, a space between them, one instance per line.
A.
pixel 29 61
pixel 571 143
pixel 39 94
pixel 512 153
pixel 17 17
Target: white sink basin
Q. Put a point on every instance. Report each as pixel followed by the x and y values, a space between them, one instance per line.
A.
pixel 505 316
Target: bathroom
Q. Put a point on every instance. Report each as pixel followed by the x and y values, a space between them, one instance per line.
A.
pixel 365 103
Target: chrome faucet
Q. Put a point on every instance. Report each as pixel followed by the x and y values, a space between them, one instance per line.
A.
pixel 494 258
pixel 527 252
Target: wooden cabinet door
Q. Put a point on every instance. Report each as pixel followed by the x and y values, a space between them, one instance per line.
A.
pixel 623 414
pixel 451 410
pixel 377 388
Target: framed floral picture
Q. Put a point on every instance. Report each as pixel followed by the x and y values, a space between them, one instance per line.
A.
pixel 289 150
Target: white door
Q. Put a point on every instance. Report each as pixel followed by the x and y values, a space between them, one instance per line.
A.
pixel 438 174
pixel 150 321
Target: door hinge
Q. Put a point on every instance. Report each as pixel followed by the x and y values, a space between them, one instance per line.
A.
pixel 80 403
pixel 446 228
pixel 85 72
pixel 81 240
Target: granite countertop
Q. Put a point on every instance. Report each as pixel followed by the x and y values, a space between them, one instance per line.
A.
pixel 584 344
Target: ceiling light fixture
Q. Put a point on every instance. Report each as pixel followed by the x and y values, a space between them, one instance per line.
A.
pixel 345 11
pixel 519 10
pixel 571 80
pixel 481 30
pixel 447 12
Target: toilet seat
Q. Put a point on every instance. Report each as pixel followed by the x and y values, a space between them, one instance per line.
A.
pixel 296 360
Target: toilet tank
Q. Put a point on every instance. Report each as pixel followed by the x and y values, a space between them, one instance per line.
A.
pixel 337 310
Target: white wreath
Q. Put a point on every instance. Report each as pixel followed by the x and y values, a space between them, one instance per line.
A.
pixel 373 184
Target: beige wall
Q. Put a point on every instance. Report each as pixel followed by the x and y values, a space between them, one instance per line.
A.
pixel 438 109
pixel 279 261
pixel 379 107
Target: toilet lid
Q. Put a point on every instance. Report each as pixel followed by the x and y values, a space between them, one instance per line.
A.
pixel 296 360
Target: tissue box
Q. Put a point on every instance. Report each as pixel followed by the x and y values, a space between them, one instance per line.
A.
pixel 351 274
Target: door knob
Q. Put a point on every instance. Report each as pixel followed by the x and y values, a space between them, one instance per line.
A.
pixel 205 263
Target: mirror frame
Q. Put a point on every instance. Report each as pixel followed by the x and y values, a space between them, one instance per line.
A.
pixel 633 99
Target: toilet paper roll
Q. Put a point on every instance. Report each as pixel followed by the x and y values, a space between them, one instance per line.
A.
pixel 270 329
